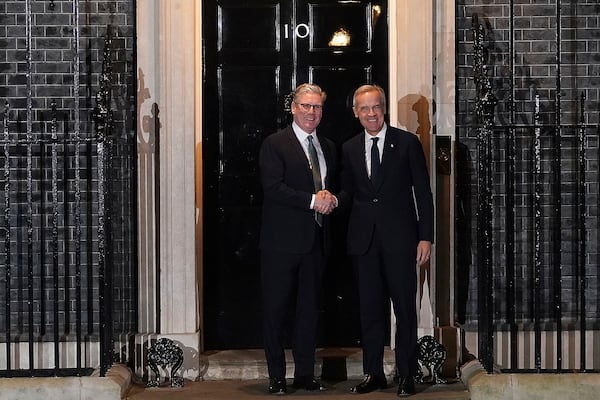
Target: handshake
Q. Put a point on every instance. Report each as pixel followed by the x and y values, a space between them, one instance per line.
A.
pixel 325 202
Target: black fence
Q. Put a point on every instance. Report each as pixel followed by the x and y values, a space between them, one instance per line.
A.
pixel 536 231
pixel 68 255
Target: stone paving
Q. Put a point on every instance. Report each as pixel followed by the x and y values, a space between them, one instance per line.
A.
pixel 242 374
pixel 256 389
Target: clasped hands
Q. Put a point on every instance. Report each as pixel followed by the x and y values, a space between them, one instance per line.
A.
pixel 325 202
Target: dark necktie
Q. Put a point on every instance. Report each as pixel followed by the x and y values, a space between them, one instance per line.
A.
pixel 375 163
pixel 316 173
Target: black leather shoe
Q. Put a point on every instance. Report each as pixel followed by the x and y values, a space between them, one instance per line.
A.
pixel 277 386
pixel 369 384
pixel 308 383
pixel 406 386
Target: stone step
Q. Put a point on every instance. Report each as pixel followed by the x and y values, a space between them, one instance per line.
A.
pixel 331 363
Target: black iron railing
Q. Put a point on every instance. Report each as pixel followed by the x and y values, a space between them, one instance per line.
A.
pixel 68 258
pixel 533 273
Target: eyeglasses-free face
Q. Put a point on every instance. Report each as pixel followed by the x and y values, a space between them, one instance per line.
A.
pixel 369 111
pixel 377 108
pixel 307 110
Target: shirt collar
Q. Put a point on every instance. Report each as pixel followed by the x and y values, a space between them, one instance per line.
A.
pixel 380 134
pixel 301 135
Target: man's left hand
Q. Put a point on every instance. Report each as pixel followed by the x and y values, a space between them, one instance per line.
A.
pixel 423 252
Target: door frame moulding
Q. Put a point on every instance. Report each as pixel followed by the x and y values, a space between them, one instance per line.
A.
pixel 169 55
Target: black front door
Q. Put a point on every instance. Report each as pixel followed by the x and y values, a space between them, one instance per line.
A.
pixel 255 53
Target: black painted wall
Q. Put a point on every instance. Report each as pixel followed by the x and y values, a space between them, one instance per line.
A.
pixel 535 71
pixel 52 76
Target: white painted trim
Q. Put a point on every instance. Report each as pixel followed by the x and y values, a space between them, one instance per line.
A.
pixel 44 355
pixel 392 63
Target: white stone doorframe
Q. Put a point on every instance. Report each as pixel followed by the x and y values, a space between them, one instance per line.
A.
pixel 425 31
pixel 169 57
pixel 169 81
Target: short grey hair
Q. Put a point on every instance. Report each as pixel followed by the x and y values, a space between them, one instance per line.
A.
pixel 309 88
pixel 370 88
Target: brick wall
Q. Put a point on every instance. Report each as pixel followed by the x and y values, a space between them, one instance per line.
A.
pixel 534 73
pixel 52 72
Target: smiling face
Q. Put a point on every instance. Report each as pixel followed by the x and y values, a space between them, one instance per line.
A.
pixel 369 109
pixel 307 110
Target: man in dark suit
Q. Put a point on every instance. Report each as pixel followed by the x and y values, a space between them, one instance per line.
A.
pixel 296 166
pixel 390 231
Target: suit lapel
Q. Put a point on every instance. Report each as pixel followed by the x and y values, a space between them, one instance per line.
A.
pixel 298 151
pixel 360 157
pixel 389 148
pixel 328 159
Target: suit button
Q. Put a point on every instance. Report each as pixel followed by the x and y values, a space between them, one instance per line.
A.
pixel 375 200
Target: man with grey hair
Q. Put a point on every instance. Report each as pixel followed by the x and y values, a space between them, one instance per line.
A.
pixel 385 182
pixel 296 170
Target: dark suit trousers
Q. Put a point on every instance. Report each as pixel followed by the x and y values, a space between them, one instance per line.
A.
pixel 382 275
pixel 291 284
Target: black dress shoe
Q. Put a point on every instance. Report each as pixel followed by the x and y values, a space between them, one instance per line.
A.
pixel 406 386
pixel 369 384
pixel 277 386
pixel 308 383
